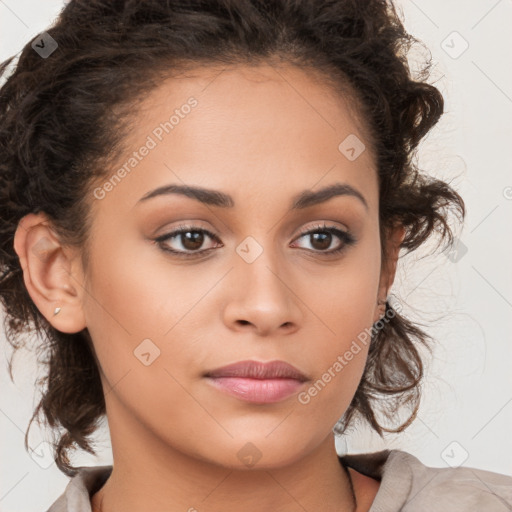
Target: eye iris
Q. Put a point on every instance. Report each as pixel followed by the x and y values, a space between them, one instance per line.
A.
pixel 323 238
pixel 192 239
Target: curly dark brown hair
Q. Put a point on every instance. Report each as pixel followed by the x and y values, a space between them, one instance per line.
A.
pixel 63 117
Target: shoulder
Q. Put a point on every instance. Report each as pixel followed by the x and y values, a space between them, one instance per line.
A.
pixel 76 495
pixel 454 489
pixel 408 485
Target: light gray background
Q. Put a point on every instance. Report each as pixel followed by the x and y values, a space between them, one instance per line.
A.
pixel 465 298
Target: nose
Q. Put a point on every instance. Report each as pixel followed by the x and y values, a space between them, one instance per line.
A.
pixel 261 298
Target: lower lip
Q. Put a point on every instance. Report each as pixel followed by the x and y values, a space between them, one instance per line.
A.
pixel 257 390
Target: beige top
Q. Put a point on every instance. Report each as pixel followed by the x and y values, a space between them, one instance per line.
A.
pixel 406 485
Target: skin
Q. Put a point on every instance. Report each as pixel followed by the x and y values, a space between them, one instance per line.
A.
pixel 261 136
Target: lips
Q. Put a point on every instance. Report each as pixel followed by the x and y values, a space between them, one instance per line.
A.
pixel 258 370
pixel 256 382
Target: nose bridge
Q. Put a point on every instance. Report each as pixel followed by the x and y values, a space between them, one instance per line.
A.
pixel 262 293
pixel 260 268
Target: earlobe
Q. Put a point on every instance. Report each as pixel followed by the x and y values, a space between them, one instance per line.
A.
pixel 48 273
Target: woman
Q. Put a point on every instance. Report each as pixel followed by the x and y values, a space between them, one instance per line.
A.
pixel 203 206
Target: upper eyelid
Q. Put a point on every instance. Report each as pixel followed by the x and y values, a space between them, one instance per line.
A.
pixel 196 227
pixel 322 226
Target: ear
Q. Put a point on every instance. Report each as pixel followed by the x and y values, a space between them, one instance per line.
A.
pixel 395 237
pixel 51 272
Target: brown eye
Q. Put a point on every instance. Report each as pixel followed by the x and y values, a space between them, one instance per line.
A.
pixel 321 241
pixel 321 238
pixel 189 241
pixel 192 240
pixel 186 241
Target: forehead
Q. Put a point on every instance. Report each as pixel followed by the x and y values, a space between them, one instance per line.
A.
pixel 260 94
pixel 252 128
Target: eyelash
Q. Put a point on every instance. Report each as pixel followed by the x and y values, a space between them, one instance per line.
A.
pixel 346 237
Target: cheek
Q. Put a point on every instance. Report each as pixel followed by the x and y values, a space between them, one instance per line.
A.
pixel 344 305
pixel 137 317
pixel 136 307
pixel 344 298
pixel 136 291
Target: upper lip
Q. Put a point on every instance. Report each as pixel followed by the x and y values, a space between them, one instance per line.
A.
pixel 259 370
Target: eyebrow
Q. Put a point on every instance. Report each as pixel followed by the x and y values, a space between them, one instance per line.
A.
pixel 210 197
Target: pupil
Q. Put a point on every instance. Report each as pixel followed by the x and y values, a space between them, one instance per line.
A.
pixel 192 242
pixel 324 237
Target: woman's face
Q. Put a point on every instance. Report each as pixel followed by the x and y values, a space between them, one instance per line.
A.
pixel 257 288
